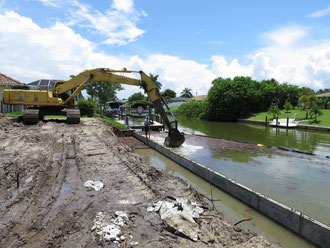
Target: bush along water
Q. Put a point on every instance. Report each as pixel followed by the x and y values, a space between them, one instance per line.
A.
pixel 192 109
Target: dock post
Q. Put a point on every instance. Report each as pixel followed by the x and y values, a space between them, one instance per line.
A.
pixel 276 121
pixel 287 122
pixel 266 121
pixel 126 120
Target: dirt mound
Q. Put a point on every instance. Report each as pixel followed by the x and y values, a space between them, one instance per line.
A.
pixel 79 186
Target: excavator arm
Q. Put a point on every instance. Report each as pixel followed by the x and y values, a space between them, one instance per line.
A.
pixel 79 82
pixel 45 101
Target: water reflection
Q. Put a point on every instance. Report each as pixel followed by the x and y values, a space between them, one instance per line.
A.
pixel 307 141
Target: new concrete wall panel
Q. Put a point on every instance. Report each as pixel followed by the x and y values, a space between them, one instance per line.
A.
pixel 243 193
pixel 280 212
pixel 315 231
pixel 188 164
pixel 175 157
pixel 220 181
pixel 166 152
pixel 201 171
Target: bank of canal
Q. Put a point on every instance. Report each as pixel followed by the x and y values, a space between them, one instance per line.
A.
pixel 233 210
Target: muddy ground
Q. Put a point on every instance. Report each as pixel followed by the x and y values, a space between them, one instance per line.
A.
pixel 44 203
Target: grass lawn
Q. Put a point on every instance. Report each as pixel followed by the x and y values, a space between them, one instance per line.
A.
pixel 111 121
pixel 323 120
pixel 55 116
pixel 14 114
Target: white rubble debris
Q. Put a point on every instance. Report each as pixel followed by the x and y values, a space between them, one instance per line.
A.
pixel 110 231
pixel 180 215
pixel 127 202
pixel 96 185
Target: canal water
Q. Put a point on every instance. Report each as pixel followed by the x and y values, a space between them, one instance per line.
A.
pixel 300 181
pixel 303 140
pixel 233 210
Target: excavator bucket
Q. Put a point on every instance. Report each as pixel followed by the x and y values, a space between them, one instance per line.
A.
pixel 174 138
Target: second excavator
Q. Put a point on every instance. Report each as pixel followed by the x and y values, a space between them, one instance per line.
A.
pixel 59 101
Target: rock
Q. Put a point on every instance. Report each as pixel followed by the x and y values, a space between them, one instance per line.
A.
pixel 96 185
pixel 179 215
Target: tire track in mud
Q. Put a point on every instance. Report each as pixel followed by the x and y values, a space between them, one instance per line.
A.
pixel 55 183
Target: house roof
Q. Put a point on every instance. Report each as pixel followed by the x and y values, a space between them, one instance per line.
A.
pixel 44 84
pixel 200 98
pixel 4 79
pixel 324 94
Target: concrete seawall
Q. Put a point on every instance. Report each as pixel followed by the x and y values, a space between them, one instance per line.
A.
pixel 301 224
pixel 299 126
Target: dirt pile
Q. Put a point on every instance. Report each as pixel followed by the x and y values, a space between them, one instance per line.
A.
pixel 77 185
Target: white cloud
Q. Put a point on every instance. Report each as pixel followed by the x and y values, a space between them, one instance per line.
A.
pixel 320 13
pixel 118 24
pixel 289 56
pixel 30 52
pixel 123 5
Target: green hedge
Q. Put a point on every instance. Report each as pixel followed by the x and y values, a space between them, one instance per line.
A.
pixel 86 107
pixel 192 109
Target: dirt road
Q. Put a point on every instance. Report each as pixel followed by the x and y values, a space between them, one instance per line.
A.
pixel 45 201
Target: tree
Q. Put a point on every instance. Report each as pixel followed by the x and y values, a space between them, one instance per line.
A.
pixel 303 101
pixel 230 99
pixel 274 111
pixel 136 97
pixel 325 101
pixel 314 112
pixel 287 106
pixel 186 93
pixel 154 78
pixel 306 91
pixel 321 91
pixel 313 100
pixel 103 92
pixel 167 94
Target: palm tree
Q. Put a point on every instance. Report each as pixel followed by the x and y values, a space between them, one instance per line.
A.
pixel 186 93
pixel 308 102
pixel 314 112
pixel 304 101
pixel 154 78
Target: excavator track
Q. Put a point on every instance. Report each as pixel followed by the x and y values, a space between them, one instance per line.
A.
pixel 73 116
pixel 31 116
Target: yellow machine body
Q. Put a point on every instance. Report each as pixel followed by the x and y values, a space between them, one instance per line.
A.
pixel 31 97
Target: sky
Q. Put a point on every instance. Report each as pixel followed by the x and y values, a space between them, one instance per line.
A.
pixel 188 43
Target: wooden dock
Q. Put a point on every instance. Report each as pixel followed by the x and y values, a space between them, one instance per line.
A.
pixel 155 126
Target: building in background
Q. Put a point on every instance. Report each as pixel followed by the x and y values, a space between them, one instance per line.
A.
pixel 47 84
pixel 8 83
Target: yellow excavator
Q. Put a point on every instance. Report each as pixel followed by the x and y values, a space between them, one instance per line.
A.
pixel 58 101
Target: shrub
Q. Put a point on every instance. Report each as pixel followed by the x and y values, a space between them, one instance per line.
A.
pixel 287 106
pixel 192 109
pixel 274 111
pixel 86 107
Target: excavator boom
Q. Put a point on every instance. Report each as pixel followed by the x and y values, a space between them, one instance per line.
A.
pixel 57 98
